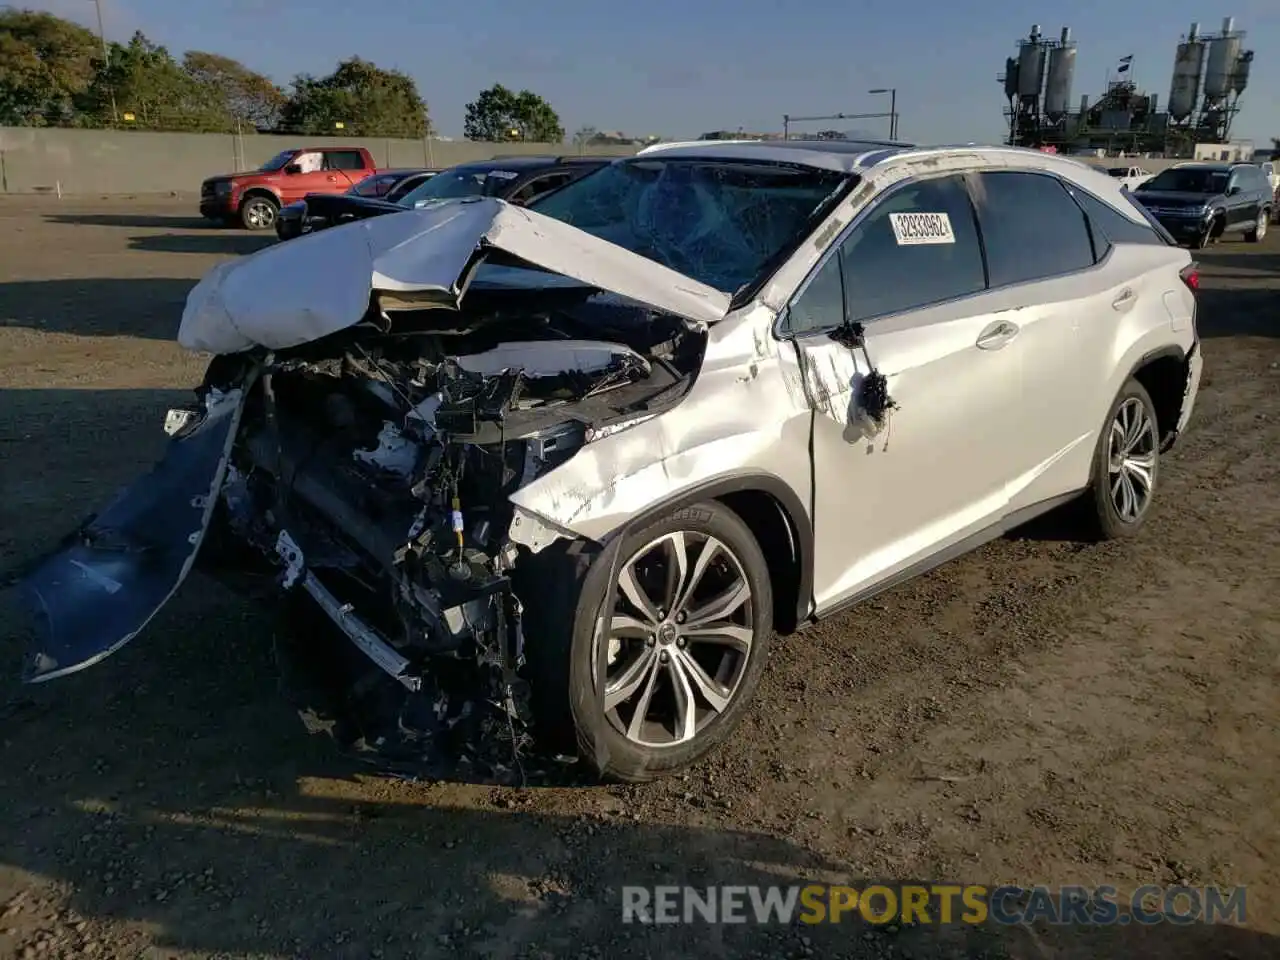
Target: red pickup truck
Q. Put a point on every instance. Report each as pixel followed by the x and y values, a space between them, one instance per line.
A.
pixel 254 199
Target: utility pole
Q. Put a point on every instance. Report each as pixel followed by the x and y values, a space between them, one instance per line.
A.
pixel 106 59
pixel 893 109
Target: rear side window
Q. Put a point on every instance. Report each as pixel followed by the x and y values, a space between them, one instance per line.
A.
pixel 1031 227
pixel 1114 225
pixel 345 160
pixel 918 246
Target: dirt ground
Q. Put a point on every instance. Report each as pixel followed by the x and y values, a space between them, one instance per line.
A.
pixel 1037 712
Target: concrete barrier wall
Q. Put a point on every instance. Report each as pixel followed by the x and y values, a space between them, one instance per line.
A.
pixel 124 162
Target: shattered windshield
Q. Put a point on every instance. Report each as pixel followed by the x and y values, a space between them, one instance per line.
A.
pixel 277 162
pixel 457 183
pixel 1188 181
pixel 719 222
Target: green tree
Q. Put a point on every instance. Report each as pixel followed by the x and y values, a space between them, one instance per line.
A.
pixel 143 87
pixel 367 100
pixel 238 92
pixel 46 64
pixel 499 115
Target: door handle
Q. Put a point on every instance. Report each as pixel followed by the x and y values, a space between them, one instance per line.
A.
pixel 997 335
pixel 1126 299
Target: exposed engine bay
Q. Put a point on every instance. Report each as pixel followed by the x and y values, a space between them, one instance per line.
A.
pixel 372 471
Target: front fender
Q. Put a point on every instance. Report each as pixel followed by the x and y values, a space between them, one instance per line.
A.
pixel 741 417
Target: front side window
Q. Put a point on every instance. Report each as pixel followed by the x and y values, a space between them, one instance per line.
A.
pixel 917 247
pixel 1031 227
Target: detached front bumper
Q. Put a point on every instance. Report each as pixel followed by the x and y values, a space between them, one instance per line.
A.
pixel 110 577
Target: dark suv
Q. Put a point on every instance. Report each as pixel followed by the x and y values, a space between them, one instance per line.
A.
pixel 1200 202
pixel 514 179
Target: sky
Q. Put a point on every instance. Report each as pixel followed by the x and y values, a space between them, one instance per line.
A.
pixel 677 68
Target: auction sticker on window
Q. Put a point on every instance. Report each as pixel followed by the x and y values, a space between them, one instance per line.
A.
pixel 911 229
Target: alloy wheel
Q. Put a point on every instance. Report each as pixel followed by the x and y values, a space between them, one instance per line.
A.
pixel 260 214
pixel 679 639
pixel 1132 452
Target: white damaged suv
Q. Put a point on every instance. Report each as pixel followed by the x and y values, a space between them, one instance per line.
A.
pixel 556 475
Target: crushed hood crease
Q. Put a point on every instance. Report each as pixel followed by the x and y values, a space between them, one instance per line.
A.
pixel 306 289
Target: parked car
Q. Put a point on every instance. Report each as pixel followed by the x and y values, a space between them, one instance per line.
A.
pixel 1200 202
pixel 315 209
pixel 515 179
pixel 1130 177
pixel 253 199
pixel 561 472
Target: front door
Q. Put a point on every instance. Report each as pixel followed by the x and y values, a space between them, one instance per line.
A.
pixel 934 470
pixel 310 177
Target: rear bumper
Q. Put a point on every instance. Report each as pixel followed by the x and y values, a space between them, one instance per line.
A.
pixel 1195 367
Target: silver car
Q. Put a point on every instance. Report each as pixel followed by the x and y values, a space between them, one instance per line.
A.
pixel 556 475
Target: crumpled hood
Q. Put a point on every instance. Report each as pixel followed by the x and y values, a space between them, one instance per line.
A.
pixel 296 292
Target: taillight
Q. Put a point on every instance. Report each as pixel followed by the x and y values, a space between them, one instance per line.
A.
pixel 1190 275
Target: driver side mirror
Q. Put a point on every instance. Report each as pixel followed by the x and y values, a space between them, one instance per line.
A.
pixel 293 168
pixel 1232 191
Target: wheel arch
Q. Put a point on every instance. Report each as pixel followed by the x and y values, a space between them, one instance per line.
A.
pixel 776 517
pixel 1163 374
pixel 260 191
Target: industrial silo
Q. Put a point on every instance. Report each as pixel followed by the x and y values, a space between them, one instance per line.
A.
pixel 1224 52
pixel 1188 64
pixel 1062 69
pixel 1240 78
pixel 1031 65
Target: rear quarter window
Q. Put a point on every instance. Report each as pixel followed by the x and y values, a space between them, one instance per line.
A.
pixel 1114 226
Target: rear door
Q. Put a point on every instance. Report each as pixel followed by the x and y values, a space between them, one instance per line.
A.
pixel 1041 259
pixel 344 168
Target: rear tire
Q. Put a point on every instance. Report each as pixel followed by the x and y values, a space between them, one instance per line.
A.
pixel 1126 467
pixel 258 212
pixel 1260 230
pixel 689 672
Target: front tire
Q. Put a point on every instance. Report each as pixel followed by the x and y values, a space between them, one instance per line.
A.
pixel 684 646
pixel 258 212
pixel 1126 466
